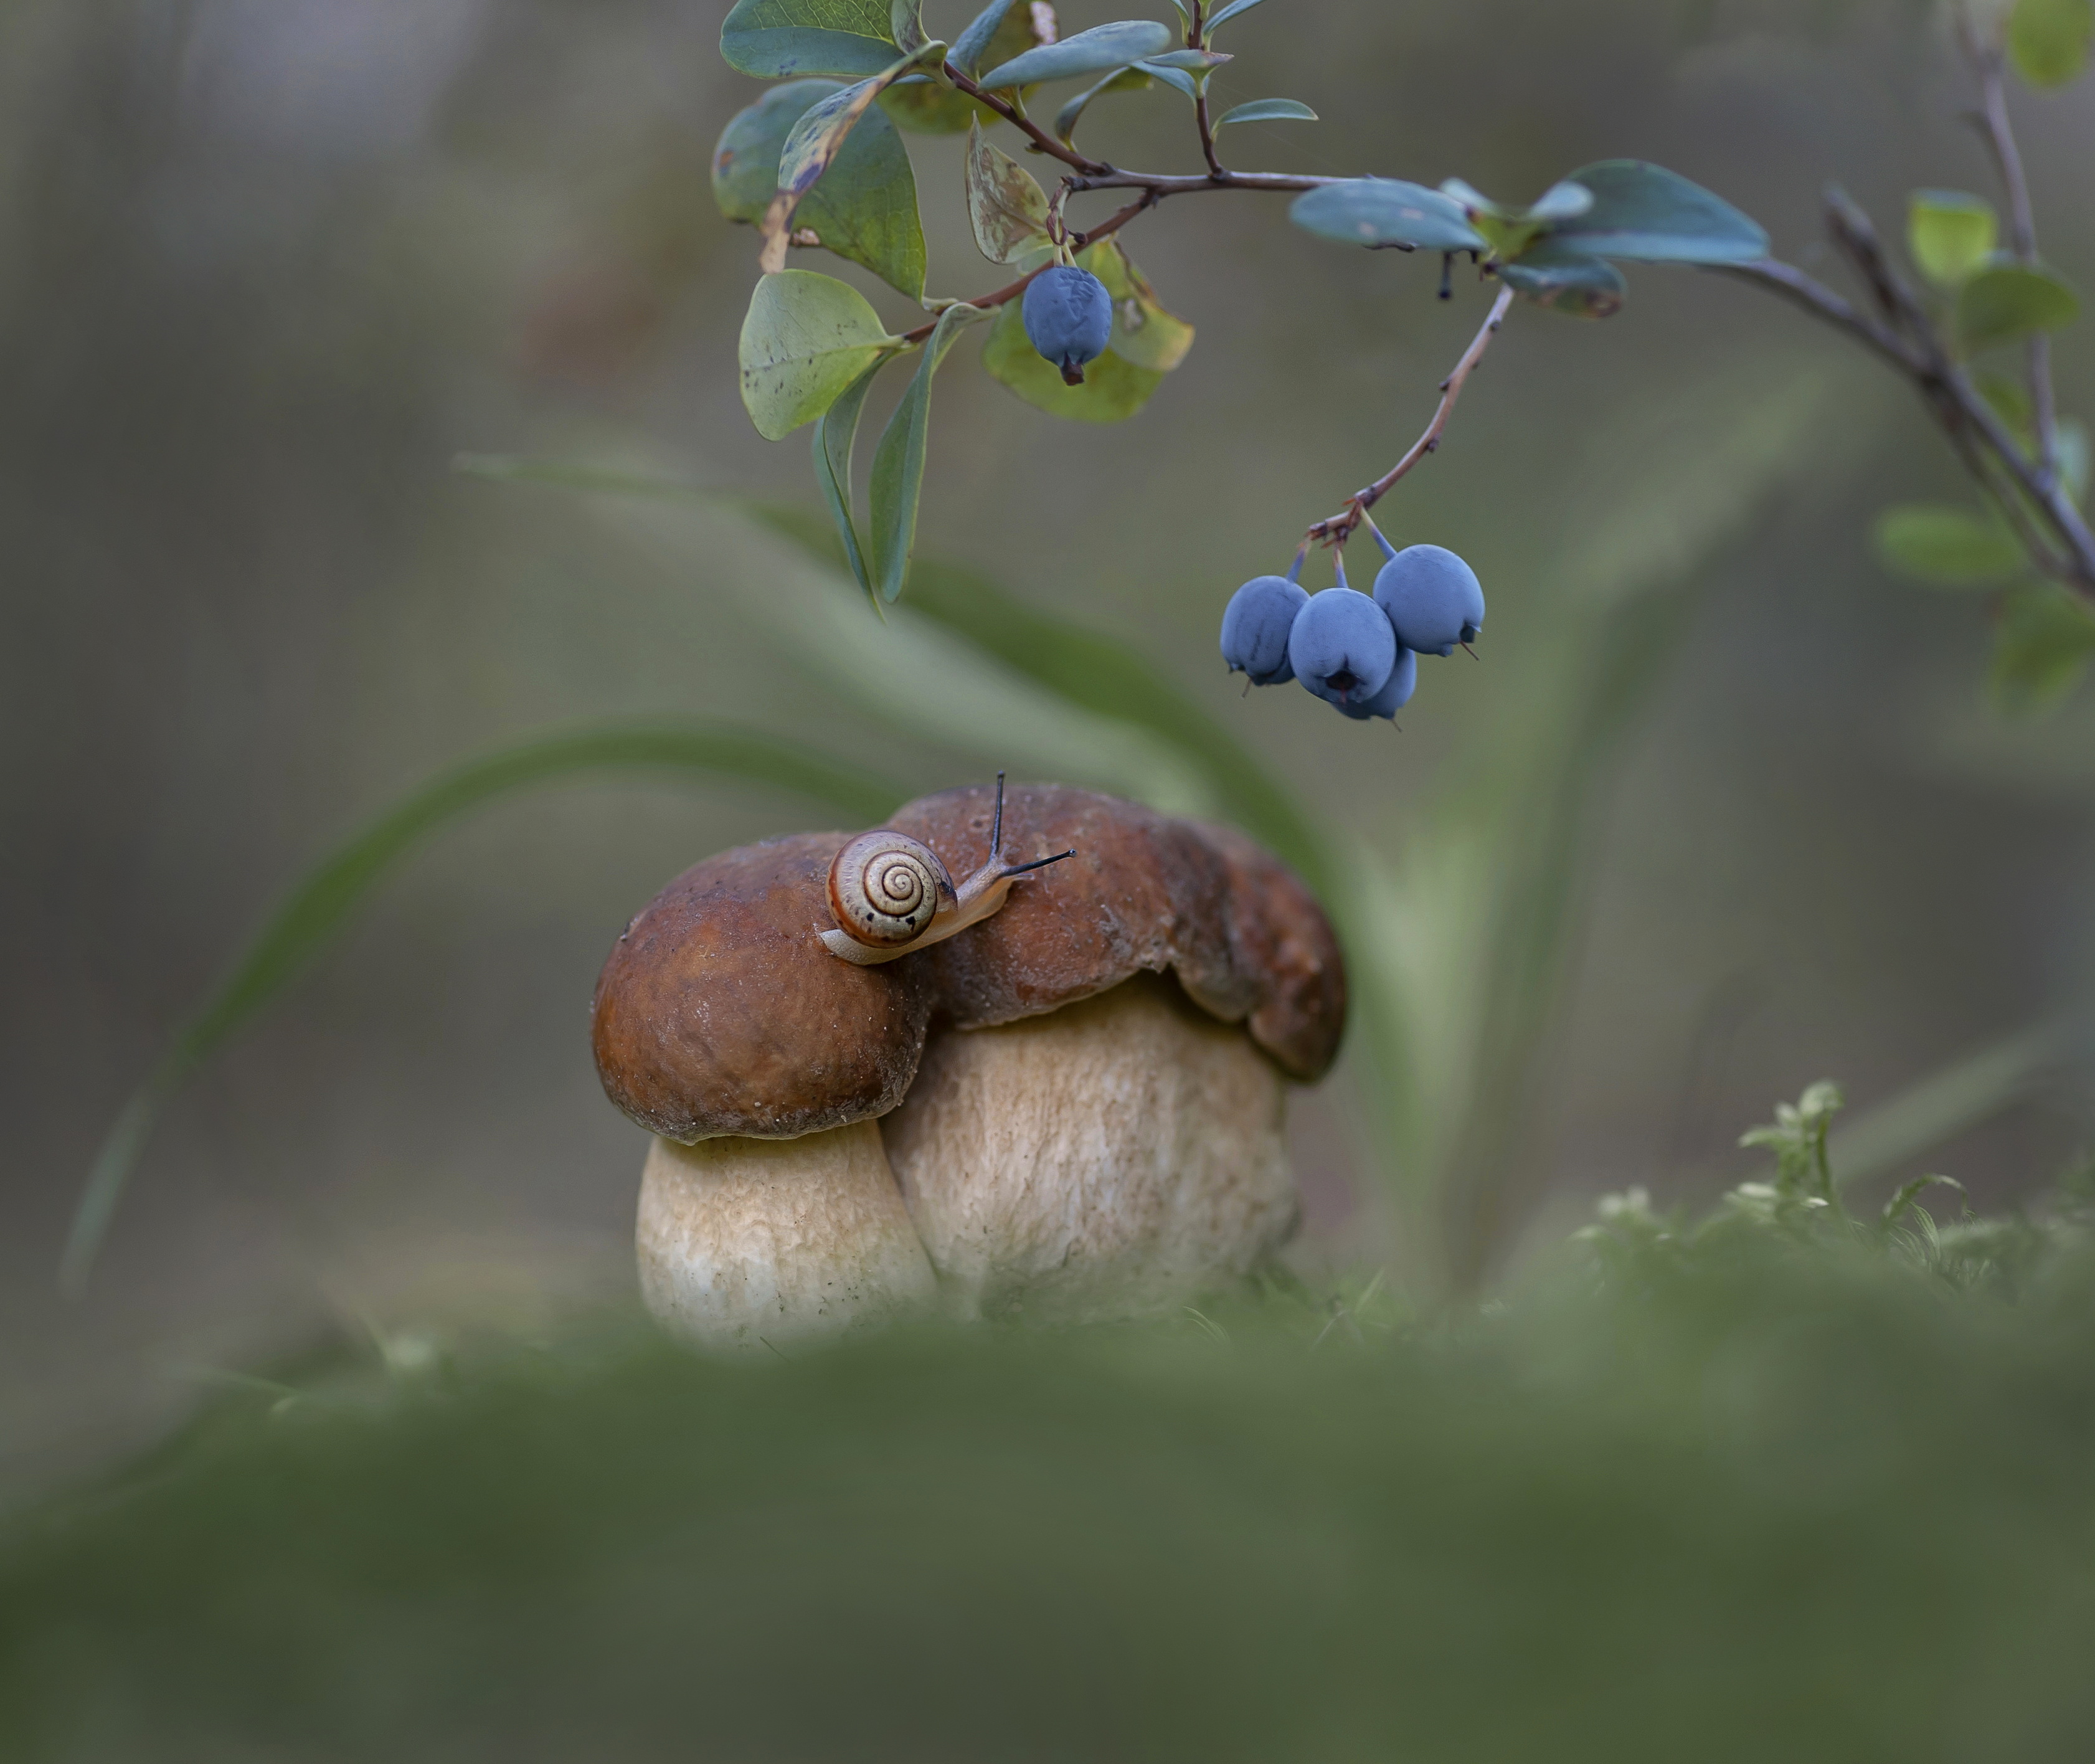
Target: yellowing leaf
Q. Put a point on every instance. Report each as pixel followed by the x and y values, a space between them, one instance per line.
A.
pixel 805 339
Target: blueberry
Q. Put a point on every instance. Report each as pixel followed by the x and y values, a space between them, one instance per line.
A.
pixel 1068 316
pixel 1432 597
pixel 1342 647
pixel 1255 623
pixel 1396 691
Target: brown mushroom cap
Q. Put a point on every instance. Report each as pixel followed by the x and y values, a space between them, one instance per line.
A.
pixel 720 1011
pixel 1245 937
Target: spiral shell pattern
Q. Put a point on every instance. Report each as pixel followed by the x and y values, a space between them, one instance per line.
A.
pixel 885 888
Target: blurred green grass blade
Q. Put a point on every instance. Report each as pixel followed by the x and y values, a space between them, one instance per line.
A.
pixel 318 906
pixel 1102 674
pixel 564 474
pixel 1945 1103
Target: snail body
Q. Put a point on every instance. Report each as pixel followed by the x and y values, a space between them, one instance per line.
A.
pixel 890 895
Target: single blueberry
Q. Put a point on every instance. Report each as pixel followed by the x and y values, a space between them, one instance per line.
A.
pixel 1432 599
pixel 1396 692
pixel 1068 316
pixel 1255 623
pixel 1342 647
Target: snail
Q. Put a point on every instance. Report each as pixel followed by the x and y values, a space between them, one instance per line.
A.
pixel 890 894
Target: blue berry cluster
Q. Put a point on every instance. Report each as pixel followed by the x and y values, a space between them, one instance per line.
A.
pixel 1357 652
pixel 1069 318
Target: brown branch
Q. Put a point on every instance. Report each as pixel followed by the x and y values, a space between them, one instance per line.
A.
pixel 1335 529
pixel 1185 184
pixel 1193 41
pixel 2000 137
pixel 1025 125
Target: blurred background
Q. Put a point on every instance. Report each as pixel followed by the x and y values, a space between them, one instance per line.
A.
pixel 1722 810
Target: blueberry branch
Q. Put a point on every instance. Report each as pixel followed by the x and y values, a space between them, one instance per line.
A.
pixel 1335 529
pixel 2000 137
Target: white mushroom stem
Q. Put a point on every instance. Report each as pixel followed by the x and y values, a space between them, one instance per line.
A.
pixel 745 1242
pixel 1109 1159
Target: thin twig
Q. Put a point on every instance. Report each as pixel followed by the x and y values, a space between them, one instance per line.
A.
pixel 1185 184
pixel 1335 529
pixel 1012 290
pixel 1025 125
pixel 1193 32
pixel 1999 136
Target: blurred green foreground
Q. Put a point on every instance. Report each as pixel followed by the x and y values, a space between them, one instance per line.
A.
pixel 1769 1499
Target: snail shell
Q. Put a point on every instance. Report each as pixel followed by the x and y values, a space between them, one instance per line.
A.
pixel 886 889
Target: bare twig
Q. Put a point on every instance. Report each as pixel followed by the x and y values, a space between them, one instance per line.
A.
pixel 2000 138
pixel 1194 26
pixel 1335 529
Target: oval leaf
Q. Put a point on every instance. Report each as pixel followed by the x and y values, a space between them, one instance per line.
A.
pixel 805 339
pixel 1092 51
pixel 2041 649
pixel 1382 210
pixel 865 208
pixel 898 461
pixel 1189 60
pixel 1947 547
pixel 779 39
pixel 2047 40
pixel 1113 389
pixel 1137 78
pixel 929 108
pixel 973 43
pixel 1646 214
pixel 1949 234
pixel 1567 281
pixel 1229 12
pixel 1006 207
pixel 2007 300
pixel 1268 110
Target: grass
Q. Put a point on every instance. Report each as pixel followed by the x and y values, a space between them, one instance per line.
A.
pixel 1784 1484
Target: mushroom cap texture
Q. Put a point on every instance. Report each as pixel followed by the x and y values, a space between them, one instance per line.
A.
pixel 720 1011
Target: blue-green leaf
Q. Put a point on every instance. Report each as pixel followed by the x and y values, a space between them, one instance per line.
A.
pixel 1228 12
pixel 1138 78
pixel 1566 281
pixel 898 461
pixel 1177 78
pixel 780 39
pixel 1646 214
pixel 1092 51
pixel 338 885
pixel 974 42
pixel 1382 210
pixel 835 431
pixel 1268 110
pixel 1194 61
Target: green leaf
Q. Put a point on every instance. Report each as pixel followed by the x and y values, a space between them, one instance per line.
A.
pixel 864 209
pixel 2047 40
pixel 1646 214
pixel 1113 389
pixel 1566 281
pixel 1138 78
pixel 1228 12
pixel 1382 210
pixel 1268 110
pixel 2008 300
pixel 905 25
pixel 779 39
pixel 835 431
pixel 1950 234
pixel 1006 208
pixel 1144 335
pixel 898 461
pixel 1947 546
pixel 1177 78
pixel 1092 51
pixel 805 339
pixel 336 887
pixel 2041 648
pixel 813 145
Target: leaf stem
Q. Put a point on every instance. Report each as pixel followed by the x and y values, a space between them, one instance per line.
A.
pixel 1335 529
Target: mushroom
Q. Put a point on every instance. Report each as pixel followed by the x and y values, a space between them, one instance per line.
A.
pixel 1020 1110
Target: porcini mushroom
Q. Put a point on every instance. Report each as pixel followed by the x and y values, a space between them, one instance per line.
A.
pixel 1086 1137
